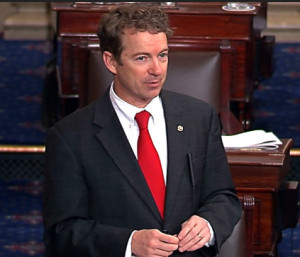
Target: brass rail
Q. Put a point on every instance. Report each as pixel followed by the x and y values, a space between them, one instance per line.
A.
pixel 22 148
pixel 41 149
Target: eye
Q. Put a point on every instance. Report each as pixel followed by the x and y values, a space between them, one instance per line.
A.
pixel 141 58
pixel 163 56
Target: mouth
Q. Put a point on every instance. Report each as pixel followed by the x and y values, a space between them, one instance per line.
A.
pixel 154 83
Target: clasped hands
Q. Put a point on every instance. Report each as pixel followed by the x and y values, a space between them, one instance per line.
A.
pixel 194 235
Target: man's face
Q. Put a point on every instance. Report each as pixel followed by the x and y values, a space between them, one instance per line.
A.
pixel 142 70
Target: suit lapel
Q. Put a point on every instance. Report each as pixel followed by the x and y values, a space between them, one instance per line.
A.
pixel 176 149
pixel 113 139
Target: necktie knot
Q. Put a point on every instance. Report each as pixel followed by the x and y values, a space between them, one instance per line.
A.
pixel 142 119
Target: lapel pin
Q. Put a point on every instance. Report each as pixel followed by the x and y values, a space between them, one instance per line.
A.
pixel 180 128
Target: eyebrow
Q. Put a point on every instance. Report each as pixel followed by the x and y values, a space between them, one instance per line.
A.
pixel 148 54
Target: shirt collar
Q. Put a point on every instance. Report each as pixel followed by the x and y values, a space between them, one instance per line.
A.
pixel 155 109
pixel 129 111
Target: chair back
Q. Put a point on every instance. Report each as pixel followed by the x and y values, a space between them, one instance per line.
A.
pixel 201 70
pixel 98 78
pixel 197 74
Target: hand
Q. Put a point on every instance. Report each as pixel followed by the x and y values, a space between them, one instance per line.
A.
pixel 152 242
pixel 194 234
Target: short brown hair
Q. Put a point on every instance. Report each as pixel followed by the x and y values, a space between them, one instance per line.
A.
pixel 141 17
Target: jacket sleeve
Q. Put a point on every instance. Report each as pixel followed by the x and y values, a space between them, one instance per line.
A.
pixel 219 203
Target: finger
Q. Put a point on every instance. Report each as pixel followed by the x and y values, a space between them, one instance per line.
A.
pixel 186 228
pixel 159 252
pixel 167 244
pixel 193 244
pixel 170 239
pixel 189 241
pixel 202 241
pixel 153 243
pixel 189 231
pixel 199 235
pixel 196 242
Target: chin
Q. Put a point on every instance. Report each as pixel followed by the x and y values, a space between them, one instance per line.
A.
pixel 156 92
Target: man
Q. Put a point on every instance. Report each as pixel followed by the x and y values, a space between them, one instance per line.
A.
pixel 97 199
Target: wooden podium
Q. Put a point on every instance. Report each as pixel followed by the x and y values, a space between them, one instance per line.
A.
pixel 262 174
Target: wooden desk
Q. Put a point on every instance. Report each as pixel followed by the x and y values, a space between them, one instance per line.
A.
pixel 262 174
pixel 206 21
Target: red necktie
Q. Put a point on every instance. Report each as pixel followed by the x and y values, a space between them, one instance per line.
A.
pixel 149 162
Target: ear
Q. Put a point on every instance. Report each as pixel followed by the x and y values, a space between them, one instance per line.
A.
pixel 109 62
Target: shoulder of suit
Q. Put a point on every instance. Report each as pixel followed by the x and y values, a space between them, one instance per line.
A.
pixel 182 98
pixel 79 116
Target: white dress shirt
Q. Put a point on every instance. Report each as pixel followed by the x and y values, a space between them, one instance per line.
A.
pixel 157 130
pixel 156 125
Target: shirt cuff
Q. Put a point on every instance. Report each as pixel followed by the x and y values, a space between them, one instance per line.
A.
pixel 211 241
pixel 128 252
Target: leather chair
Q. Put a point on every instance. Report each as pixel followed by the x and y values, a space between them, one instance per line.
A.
pixel 200 70
pixel 205 71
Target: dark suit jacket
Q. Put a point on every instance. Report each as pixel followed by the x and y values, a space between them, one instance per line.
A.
pixel 95 194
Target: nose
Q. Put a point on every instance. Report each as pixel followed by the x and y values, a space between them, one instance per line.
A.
pixel 155 67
